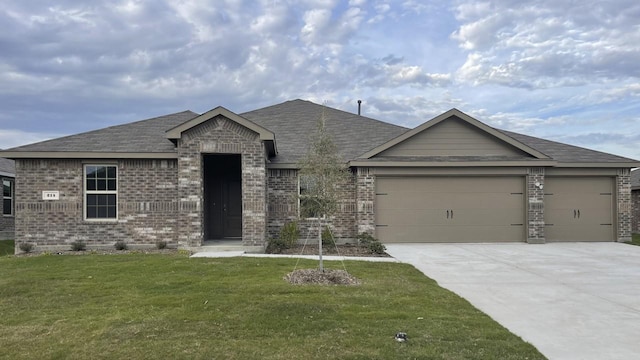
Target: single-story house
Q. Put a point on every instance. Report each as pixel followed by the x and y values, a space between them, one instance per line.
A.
pixel 187 178
pixel 7 177
pixel 635 201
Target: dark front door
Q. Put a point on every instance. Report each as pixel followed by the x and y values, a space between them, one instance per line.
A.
pixel 223 197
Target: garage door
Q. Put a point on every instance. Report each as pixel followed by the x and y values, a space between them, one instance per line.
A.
pixel 450 209
pixel 578 209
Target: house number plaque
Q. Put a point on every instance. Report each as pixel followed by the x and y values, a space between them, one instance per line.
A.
pixel 51 195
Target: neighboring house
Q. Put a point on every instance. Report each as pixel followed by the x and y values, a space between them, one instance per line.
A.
pixel 635 201
pixel 7 177
pixel 187 178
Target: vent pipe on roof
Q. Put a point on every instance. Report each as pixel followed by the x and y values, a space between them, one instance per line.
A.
pixel 359 103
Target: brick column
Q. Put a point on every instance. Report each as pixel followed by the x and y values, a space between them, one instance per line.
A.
pixel 535 204
pixel 365 194
pixel 635 211
pixel 623 191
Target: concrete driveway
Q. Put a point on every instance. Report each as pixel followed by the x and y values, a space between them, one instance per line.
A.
pixel 570 300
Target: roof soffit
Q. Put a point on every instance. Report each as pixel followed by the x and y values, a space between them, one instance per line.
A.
pixel 455 113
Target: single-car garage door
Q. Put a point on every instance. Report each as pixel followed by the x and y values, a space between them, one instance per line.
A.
pixel 450 209
pixel 578 209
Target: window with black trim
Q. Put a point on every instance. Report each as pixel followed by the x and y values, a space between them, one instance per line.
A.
pixel 7 197
pixel 101 192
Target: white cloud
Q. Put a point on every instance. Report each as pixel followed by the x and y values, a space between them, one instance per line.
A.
pixel 532 67
pixel 538 45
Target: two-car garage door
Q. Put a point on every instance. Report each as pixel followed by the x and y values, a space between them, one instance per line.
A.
pixel 450 209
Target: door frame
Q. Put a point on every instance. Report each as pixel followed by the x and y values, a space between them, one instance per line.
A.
pixel 219 171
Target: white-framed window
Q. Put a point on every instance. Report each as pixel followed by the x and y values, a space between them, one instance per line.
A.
pixel 100 192
pixel 8 194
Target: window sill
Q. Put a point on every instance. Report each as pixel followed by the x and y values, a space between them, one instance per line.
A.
pixel 101 221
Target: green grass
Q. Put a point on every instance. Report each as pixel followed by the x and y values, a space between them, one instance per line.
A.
pixel 171 307
pixel 635 239
pixel 6 247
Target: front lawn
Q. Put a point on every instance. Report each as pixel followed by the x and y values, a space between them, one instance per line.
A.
pixel 6 247
pixel 171 307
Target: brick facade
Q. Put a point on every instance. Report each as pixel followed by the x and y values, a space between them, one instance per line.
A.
pixel 147 204
pixel 7 222
pixel 221 136
pixel 535 206
pixel 282 192
pixel 365 195
pixel 635 211
pixel 623 186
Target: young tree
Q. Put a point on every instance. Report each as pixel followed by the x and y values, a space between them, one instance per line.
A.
pixel 322 171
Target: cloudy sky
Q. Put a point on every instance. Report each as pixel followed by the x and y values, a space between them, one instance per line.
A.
pixel 565 70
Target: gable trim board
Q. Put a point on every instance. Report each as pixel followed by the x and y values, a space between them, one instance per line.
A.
pixel 490 182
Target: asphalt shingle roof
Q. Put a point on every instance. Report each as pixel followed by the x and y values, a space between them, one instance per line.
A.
pixel 565 153
pixel 293 122
pixel 7 166
pixel 145 136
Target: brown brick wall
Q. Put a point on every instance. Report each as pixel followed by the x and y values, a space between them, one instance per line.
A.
pixel 365 197
pixel 283 207
pixel 635 211
pixel 623 185
pixel 535 205
pixel 221 136
pixel 147 203
pixel 7 223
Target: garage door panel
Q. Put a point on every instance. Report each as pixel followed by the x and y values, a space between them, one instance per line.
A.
pixel 450 209
pixel 443 233
pixel 417 216
pixel 416 201
pixel 579 209
pixel 570 232
pixel 410 200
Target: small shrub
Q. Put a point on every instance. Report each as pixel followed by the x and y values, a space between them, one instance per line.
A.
pixel 78 246
pixel 161 245
pixel 365 239
pixel 377 247
pixel 373 244
pixel 120 245
pixel 184 252
pixel 275 246
pixel 289 234
pixel 327 237
pixel 26 247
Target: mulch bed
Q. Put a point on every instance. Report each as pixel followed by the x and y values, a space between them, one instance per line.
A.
pixel 317 277
pixel 339 250
pixel 100 252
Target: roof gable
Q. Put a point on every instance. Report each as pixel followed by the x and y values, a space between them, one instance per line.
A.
pixel 266 135
pixel 453 137
pixel 454 133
